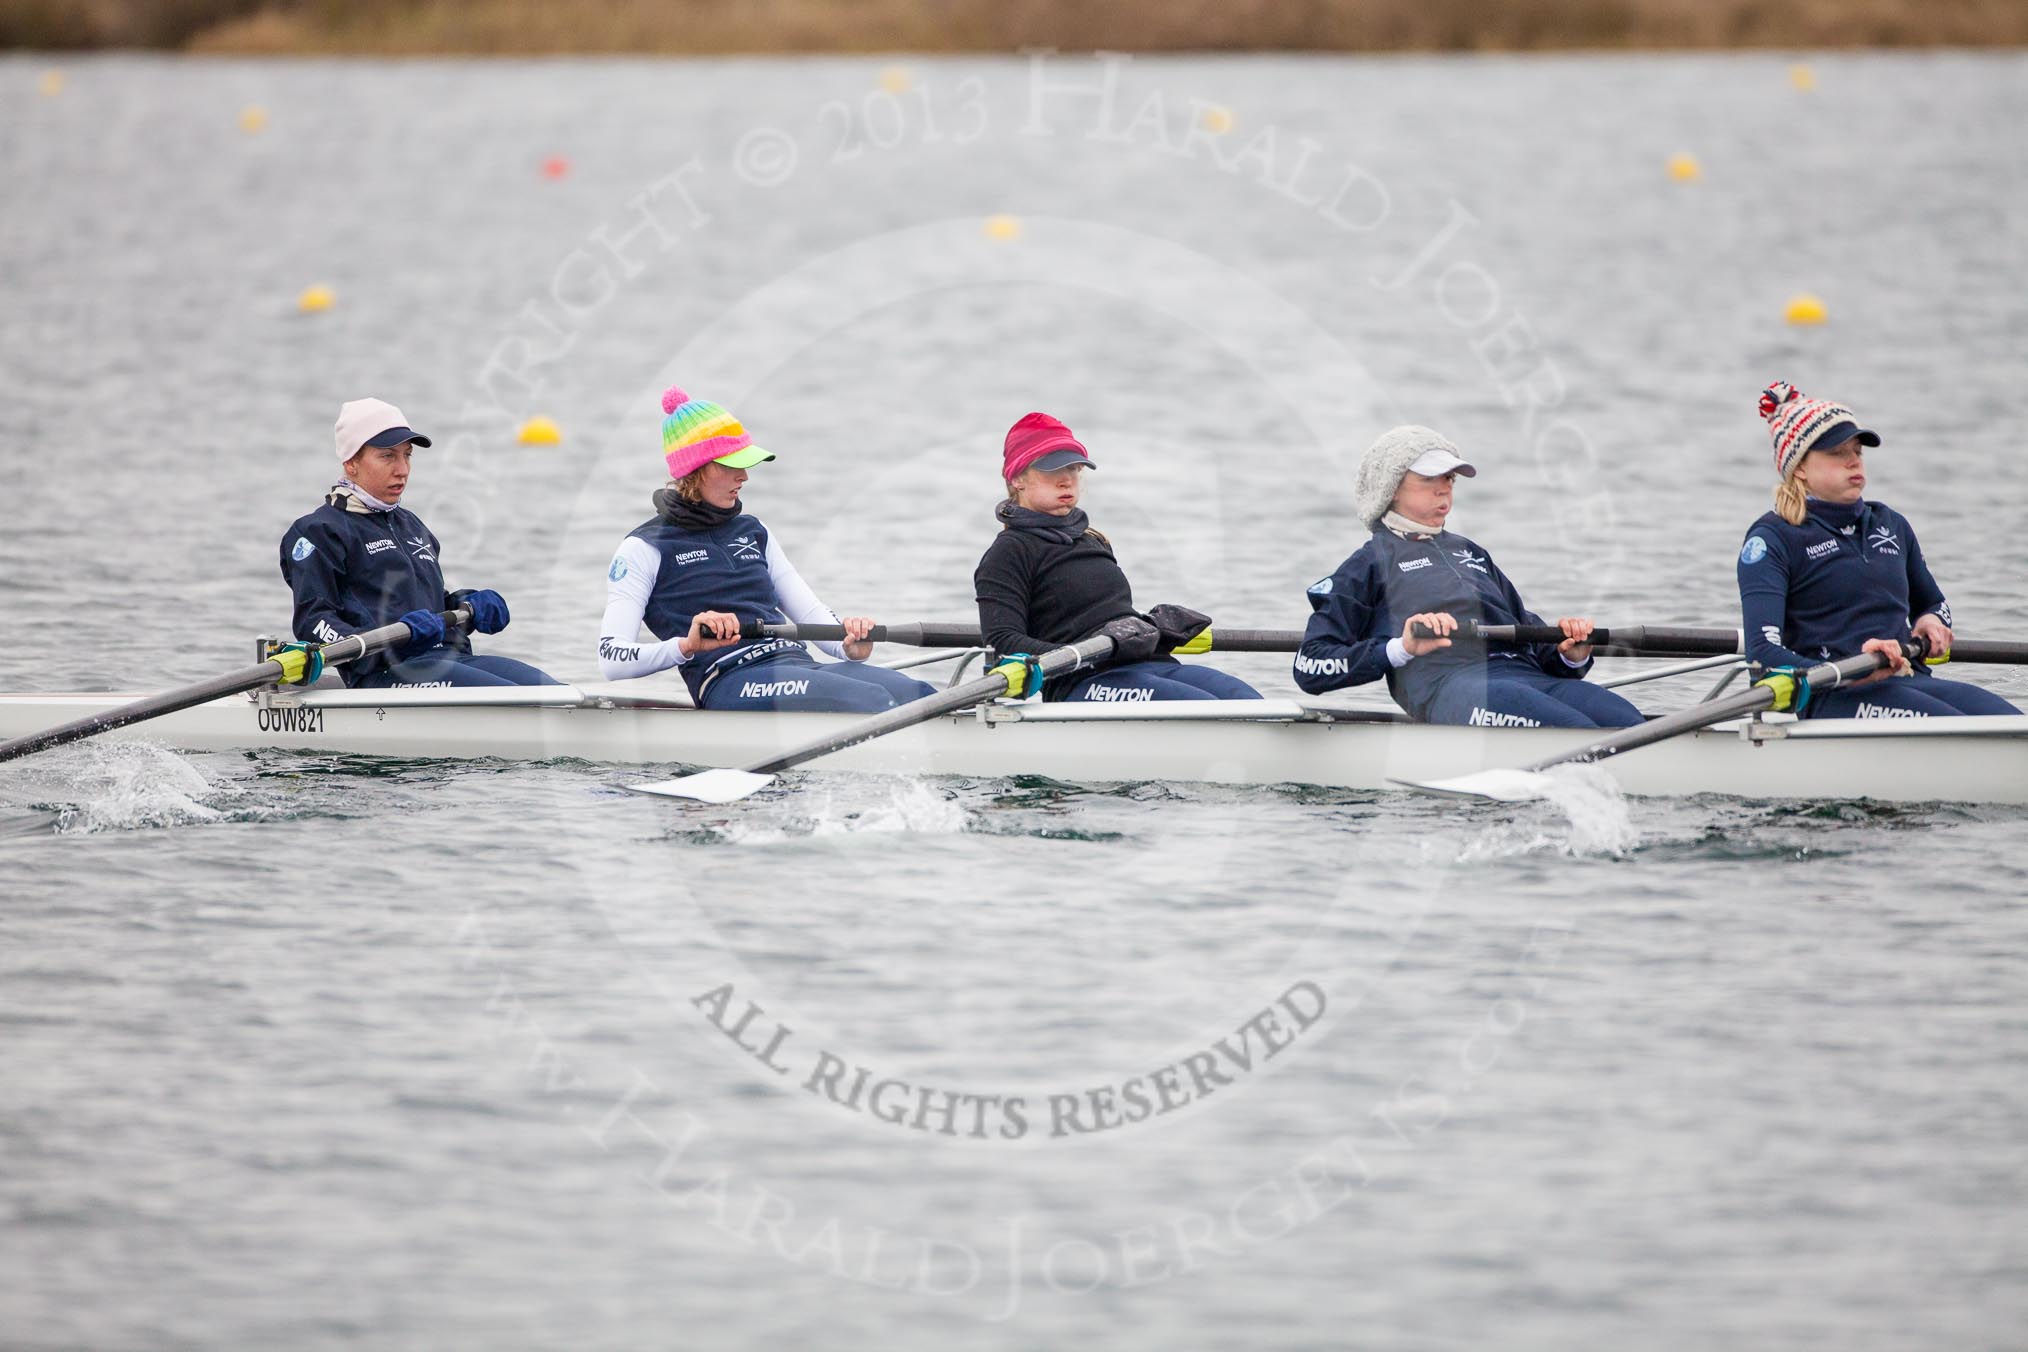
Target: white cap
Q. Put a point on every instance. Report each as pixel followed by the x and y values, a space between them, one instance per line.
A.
pixel 1436 462
pixel 364 422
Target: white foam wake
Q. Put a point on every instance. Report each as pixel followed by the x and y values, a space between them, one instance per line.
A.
pixel 909 808
pixel 1579 811
pixel 124 786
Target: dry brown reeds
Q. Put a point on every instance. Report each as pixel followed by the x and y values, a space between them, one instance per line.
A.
pixel 523 27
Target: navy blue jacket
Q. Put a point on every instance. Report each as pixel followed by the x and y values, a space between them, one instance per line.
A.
pixel 354 569
pixel 1362 605
pixel 1816 592
pixel 725 568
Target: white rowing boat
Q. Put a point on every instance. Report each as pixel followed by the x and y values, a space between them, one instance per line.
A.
pixel 1238 742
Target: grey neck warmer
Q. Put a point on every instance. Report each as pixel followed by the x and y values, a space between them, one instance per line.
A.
pixel 353 498
pixel 1408 529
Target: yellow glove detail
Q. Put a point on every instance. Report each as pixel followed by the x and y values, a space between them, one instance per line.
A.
pixel 1016 672
pixel 301 664
pixel 1784 686
pixel 1200 644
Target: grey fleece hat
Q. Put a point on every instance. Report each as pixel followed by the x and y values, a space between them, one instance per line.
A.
pixel 1397 451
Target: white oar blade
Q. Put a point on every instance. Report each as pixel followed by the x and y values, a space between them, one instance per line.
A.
pixel 708 786
pixel 1503 786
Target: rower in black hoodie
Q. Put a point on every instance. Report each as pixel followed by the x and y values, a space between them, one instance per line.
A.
pixel 1048 580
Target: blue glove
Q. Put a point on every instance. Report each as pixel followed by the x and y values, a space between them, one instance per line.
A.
pixel 425 631
pixel 489 611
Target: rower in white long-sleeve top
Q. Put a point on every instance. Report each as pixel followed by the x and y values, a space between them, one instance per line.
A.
pixel 703 564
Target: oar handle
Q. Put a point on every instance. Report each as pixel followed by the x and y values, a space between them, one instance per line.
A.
pixel 932 634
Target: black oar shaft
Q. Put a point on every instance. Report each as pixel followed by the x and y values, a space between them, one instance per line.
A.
pixel 1617 641
pixel 922 635
pixel 1624 640
pixel 989 686
pixel 1658 641
pixel 1627 637
pixel 935 635
pixel 1988 650
pixel 218 687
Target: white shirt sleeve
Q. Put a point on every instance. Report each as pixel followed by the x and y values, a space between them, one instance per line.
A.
pixel 799 603
pixel 629 582
pixel 1398 654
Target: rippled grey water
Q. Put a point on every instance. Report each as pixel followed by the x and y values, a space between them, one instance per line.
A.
pixel 320 1051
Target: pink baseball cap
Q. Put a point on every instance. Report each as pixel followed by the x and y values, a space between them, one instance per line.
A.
pixel 1039 441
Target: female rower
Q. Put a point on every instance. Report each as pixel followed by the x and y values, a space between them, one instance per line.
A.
pixel 701 565
pixel 1414 575
pixel 1828 575
pixel 362 560
pixel 1048 579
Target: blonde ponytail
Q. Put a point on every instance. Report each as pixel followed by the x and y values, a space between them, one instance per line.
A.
pixel 1790 499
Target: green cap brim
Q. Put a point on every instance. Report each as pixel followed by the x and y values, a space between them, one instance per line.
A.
pixel 745 459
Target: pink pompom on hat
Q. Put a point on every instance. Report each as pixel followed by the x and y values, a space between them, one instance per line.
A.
pixel 1800 425
pixel 696 432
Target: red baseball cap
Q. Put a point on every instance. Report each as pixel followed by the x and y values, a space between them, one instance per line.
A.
pixel 1039 441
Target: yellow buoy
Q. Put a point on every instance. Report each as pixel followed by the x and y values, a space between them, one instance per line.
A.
pixel 253 118
pixel 1802 77
pixel 1002 227
pixel 539 431
pixel 896 80
pixel 51 83
pixel 1217 121
pixel 315 298
pixel 1685 168
pixel 1805 309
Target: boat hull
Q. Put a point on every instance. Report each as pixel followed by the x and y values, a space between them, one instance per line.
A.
pixel 1265 742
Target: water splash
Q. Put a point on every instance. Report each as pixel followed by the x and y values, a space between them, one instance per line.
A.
pixel 1590 799
pixel 911 808
pixel 1581 812
pixel 125 786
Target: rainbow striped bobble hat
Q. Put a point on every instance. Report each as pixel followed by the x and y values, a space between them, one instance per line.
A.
pixel 697 432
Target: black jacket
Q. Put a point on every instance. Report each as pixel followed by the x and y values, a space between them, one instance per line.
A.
pixel 1040 589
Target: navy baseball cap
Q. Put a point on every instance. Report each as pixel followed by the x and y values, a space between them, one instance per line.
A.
pixel 394 436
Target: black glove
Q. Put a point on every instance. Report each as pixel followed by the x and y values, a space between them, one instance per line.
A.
pixel 1177 625
pixel 1134 639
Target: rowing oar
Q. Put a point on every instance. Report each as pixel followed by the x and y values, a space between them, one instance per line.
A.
pixel 1621 640
pixel 1653 641
pixel 289 664
pixel 934 635
pixel 729 786
pixel 1624 640
pixel 1776 690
